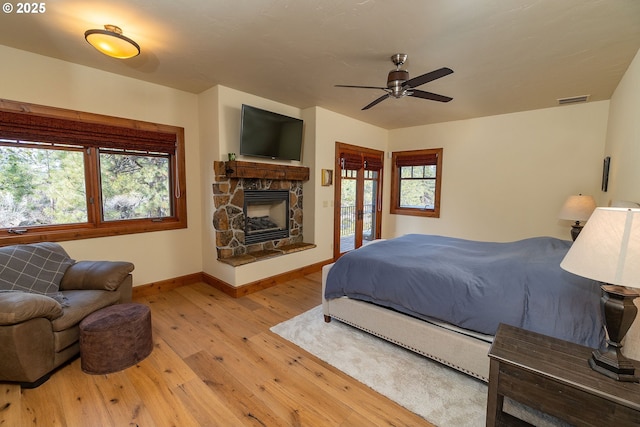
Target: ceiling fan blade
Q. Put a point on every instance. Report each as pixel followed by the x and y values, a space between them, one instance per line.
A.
pixel 428 95
pixel 377 101
pixel 362 87
pixel 428 77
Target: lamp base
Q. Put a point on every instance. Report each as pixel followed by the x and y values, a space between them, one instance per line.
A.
pixel 612 363
pixel 575 230
pixel 619 313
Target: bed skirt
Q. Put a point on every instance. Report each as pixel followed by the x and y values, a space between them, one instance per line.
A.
pixel 457 350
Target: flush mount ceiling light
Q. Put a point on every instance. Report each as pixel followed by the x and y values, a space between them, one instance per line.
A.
pixel 111 42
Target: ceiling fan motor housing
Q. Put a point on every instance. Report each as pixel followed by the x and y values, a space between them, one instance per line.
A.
pixel 395 80
pixel 399 84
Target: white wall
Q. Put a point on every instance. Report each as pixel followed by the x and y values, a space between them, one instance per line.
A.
pixel 505 177
pixel 210 150
pixel 623 137
pixel 41 80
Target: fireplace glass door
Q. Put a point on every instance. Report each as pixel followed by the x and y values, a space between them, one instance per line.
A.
pixel 266 215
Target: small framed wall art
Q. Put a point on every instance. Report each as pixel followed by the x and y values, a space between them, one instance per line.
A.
pixel 605 173
pixel 327 177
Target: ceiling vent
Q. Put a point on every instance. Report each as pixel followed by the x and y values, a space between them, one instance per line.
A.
pixel 573 99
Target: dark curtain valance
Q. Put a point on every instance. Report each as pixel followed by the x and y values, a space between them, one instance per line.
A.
pixel 350 161
pixel 35 128
pixel 373 163
pixel 417 160
pixel 355 161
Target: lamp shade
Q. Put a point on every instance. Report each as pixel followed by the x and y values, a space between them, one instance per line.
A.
pixel 577 208
pixel 608 248
pixel 111 42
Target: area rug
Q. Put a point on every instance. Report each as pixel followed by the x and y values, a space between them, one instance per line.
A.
pixel 439 394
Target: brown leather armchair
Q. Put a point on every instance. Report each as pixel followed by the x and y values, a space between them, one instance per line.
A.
pixel 38 334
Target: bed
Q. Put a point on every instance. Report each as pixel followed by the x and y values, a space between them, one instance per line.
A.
pixel 470 288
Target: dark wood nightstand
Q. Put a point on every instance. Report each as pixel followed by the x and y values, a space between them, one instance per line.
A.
pixel 553 376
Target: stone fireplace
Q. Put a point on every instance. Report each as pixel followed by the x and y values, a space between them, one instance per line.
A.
pixel 258 210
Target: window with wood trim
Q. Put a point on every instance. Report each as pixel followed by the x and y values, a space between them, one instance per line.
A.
pixel 415 182
pixel 67 175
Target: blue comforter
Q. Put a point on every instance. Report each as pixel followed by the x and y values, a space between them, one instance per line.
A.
pixel 475 285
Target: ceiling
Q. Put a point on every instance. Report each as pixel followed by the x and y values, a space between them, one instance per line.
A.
pixel 507 55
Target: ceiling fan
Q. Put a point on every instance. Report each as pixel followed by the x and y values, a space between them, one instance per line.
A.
pixel 399 84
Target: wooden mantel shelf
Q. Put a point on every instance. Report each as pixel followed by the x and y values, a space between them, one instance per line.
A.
pixel 239 169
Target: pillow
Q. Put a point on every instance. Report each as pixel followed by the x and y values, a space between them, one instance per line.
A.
pixel 17 307
pixel 36 268
pixel 624 204
pixel 101 275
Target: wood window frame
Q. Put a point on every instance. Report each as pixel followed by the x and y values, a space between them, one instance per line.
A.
pixel 424 157
pixel 92 131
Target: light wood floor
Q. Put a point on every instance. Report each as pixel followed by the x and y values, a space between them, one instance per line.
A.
pixel 215 363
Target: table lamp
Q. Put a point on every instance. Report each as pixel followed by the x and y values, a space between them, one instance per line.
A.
pixel 577 208
pixel 608 250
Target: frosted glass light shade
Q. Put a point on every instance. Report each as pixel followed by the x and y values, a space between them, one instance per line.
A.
pixel 111 42
pixel 608 248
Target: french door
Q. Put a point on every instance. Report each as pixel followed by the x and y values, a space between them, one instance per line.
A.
pixel 357 198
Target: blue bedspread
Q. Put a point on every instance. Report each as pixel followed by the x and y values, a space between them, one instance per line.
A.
pixel 475 285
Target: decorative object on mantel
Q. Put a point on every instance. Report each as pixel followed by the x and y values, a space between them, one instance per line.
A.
pixel 608 251
pixel 327 177
pixel 577 208
pixel 232 156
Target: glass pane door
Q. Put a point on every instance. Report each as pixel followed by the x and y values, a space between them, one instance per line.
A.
pixel 348 209
pixel 357 197
pixel 369 206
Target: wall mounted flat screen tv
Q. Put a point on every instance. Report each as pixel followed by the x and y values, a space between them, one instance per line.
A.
pixel 267 134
